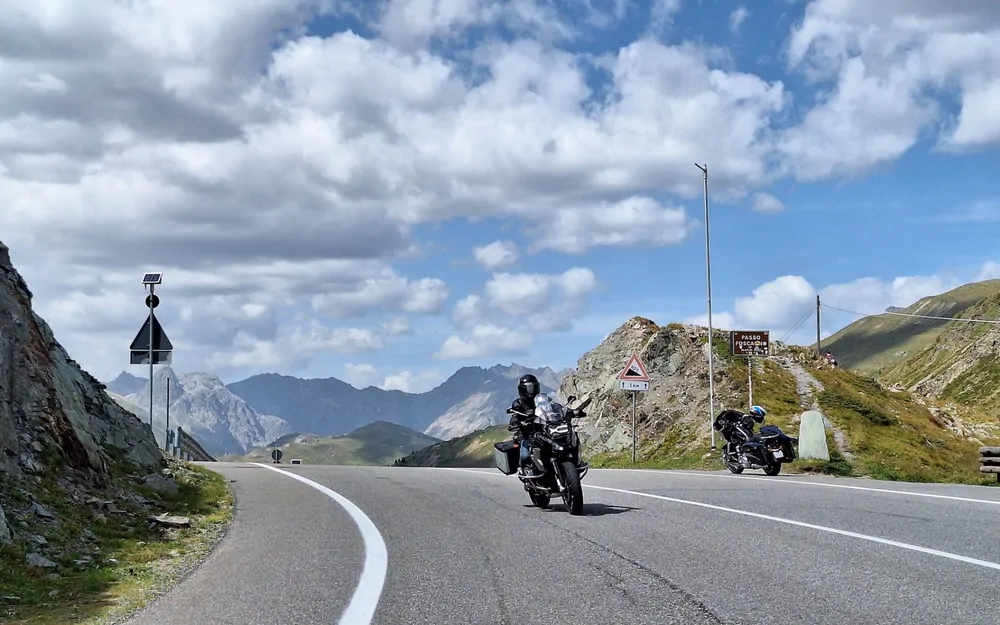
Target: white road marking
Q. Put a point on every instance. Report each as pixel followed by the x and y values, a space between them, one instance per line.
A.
pixel 361 608
pixel 808 483
pixel 766 517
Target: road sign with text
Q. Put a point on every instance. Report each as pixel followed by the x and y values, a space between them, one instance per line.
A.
pixel 634 376
pixel 750 343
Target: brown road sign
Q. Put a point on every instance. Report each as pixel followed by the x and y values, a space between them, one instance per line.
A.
pixel 749 343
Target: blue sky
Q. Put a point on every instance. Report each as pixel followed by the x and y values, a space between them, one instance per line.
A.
pixel 349 168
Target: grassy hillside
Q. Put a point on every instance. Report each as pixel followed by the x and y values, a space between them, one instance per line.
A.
pixel 886 434
pixel 874 345
pixel 378 443
pixel 471 450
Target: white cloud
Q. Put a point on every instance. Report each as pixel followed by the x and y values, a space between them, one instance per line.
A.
pixel 278 178
pixel 630 222
pixel 889 58
pixel 767 203
pixel 737 17
pixel 497 254
pixel 514 309
pixel 410 382
pixel 364 375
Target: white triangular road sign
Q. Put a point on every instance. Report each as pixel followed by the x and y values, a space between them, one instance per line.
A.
pixel 634 371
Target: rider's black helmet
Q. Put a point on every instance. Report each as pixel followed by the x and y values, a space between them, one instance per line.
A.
pixel 528 387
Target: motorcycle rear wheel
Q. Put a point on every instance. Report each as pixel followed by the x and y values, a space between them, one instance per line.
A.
pixel 773 469
pixel 573 492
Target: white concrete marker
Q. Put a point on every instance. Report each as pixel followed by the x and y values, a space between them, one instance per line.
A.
pixel 361 608
pixel 781 480
pixel 775 519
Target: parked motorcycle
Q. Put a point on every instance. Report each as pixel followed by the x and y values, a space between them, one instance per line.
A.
pixel 767 450
pixel 555 454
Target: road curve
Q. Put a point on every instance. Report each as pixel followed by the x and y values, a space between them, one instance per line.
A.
pixel 464 547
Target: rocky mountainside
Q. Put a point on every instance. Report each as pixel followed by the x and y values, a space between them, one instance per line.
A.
pixel 58 428
pixel 126 384
pixel 200 403
pixel 470 399
pixel 378 443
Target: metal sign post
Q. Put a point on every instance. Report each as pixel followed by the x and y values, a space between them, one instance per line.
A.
pixel 634 378
pixel 156 348
pixel 750 344
pixel 168 412
pixel 633 427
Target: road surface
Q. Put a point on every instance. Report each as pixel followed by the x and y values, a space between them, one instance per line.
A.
pixel 464 547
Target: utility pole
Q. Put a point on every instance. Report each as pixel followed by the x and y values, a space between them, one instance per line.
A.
pixel 711 346
pixel 819 347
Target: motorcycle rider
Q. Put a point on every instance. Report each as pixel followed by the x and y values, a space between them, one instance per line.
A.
pixel 522 420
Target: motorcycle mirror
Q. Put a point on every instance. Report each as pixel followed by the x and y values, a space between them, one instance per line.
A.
pixel 571 399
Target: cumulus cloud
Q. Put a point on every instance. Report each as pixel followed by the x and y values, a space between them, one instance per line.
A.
pixel 365 375
pixel 767 203
pixel 514 309
pixel 889 59
pixel 278 178
pixel 497 254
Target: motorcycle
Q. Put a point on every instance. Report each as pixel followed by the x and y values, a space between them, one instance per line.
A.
pixel 767 450
pixel 555 453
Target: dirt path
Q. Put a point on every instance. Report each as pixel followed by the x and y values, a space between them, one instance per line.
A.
pixel 807 387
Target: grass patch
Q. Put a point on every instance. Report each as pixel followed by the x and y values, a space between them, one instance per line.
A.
pixel 109 563
pixel 892 437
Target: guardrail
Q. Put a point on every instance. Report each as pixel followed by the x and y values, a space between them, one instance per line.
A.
pixel 989 461
pixel 190 449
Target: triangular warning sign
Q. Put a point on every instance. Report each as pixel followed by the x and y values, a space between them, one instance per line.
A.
pixel 160 341
pixel 634 370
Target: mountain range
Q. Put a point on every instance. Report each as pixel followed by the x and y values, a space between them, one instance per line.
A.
pixel 238 417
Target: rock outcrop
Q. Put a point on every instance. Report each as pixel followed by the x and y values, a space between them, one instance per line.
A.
pixel 51 410
pixel 676 358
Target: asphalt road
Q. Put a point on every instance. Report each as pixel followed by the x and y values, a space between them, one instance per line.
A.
pixel 465 547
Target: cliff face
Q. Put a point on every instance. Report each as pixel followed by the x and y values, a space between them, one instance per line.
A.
pixel 51 411
pixel 676 359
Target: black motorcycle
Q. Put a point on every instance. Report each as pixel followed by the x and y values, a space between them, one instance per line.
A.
pixel 767 450
pixel 555 454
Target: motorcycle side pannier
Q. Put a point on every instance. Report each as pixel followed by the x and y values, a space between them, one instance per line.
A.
pixel 506 455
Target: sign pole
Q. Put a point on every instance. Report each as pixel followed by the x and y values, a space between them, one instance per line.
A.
pixel 168 411
pixel 633 427
pixel 750 378
pixel 708 284
pixel 635 379
pixel 150 300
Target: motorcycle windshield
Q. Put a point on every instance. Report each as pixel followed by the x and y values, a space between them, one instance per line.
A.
pixel 548 410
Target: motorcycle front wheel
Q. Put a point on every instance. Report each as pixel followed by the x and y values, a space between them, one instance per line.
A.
pixel 573 492
pixel 540 500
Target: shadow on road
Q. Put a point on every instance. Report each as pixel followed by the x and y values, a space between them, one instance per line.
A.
pixel 600 509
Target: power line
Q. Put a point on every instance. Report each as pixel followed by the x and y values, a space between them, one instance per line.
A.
pixel 899 314
pixel 798 323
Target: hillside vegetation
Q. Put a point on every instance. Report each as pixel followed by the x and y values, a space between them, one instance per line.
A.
pixel 873 430
pixel 875 345
pixel 471 450
pixel 378 443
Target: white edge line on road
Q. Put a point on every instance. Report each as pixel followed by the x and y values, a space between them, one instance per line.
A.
pixel 361 609
pixel 775 519
pixel 808 483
